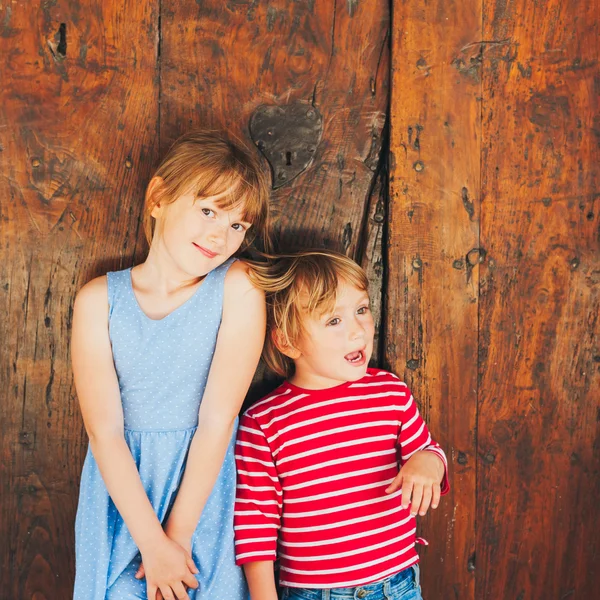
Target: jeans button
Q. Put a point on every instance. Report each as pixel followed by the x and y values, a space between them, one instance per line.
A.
pixel 361 593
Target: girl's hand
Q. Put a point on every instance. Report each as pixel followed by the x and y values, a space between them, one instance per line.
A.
pixel 183 540
pixel 168 568
pixel 420 479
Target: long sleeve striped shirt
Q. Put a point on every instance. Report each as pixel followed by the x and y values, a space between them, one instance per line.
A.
pixel 313 466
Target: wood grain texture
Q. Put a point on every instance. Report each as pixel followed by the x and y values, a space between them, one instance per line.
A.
pixel 433 258
pixel 538 417
pixel 78 117
pixel 372 256
pixel 81 130
pixel 329 54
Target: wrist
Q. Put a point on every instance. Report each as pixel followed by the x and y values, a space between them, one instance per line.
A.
pixel 441 466
pixel 151 538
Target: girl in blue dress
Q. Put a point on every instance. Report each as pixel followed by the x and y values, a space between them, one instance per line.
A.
pixel 163 355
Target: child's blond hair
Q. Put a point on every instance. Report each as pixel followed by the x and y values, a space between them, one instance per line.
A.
pixel 210 164
pixel 297 285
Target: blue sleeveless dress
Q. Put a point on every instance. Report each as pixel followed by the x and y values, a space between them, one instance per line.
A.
pixel 162 367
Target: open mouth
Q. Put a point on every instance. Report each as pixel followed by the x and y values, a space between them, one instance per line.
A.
pixel 356 358
pixel 205 251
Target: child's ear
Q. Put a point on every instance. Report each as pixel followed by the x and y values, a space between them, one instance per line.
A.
pixel 283 346
pixel 153 195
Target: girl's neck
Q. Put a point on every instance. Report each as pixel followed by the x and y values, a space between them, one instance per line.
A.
pixel 161 273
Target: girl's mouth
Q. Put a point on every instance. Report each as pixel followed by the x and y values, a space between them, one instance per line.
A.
pixel 357 358
pixel 205 251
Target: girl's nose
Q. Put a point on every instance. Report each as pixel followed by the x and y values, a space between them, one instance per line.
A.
pixel 218 235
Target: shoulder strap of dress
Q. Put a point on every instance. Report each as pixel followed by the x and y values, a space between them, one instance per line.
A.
pixel 116 282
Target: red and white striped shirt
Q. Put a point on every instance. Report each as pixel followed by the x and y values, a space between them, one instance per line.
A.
pixel 313 466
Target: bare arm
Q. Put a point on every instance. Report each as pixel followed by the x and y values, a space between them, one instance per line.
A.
pixel 238 349
pixel 100 400
pixel 261 580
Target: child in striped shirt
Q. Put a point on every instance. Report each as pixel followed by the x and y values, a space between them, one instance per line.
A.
pixel 335 464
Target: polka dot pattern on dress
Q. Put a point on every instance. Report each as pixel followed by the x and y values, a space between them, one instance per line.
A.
pixel 162 367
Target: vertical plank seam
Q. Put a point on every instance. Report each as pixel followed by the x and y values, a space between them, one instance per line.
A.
pixel 478 380
pixel 159 73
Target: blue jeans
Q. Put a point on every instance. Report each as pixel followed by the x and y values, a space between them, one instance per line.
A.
pixel 401 586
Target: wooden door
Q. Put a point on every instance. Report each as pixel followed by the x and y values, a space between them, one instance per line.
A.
pixel 93 92
pixel 493 285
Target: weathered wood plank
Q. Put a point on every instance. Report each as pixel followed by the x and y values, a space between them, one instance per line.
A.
pixel 220 62
pixel 372 255
pixel 432 257
pixel 78 116
pixel 539 462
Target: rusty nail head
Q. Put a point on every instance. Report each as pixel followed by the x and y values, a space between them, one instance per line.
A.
pixel 419 166
pixel 35 163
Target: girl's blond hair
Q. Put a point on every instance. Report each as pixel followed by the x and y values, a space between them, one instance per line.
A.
pixel 298 285
pixel 210 164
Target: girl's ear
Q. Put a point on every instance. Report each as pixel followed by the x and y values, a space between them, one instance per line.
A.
pixel 282 344
pixel 153 194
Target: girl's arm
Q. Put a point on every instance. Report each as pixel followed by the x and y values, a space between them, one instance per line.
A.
pixel 100 399
pixel 238 349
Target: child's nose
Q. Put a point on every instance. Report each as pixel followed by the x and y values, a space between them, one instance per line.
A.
pixel 357 330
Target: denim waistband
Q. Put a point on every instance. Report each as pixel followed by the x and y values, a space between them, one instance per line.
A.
pixel 380 590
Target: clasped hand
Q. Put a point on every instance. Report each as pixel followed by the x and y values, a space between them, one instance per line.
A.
pixel 168 568
pixel 420 478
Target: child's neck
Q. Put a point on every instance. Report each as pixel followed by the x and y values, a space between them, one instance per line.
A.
pixel 313 381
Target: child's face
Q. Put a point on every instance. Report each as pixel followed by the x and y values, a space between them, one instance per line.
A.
pixel 336 347
pixel 197 234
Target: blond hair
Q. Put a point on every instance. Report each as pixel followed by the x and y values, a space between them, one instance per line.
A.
pixel 210 164
pixel 298 285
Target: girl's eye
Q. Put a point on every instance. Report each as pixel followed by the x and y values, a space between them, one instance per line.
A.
pixel 238 227
pixel 208 212
pixel 363 310
pixel 334 321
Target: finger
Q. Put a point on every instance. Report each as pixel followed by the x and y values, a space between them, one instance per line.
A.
pixel 407 489
pixel 395 484
pixel 141 572
pixel 417 496
pixel 167 592
pixel 437 493
pixel 426 501
pixel 190 581
pixel 159 596
pixel 151 591
pixel 180 592
pixel 192 565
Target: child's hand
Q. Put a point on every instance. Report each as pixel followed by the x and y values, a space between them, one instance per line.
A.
pixel 168 568
pixel 420 478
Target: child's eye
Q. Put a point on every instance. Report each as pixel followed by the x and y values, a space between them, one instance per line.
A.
pixel 363 310
pixel 334 321
pixel 238 227
pixel 208 212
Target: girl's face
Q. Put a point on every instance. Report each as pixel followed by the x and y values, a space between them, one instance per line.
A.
pixel 196 234
pixel 336 347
